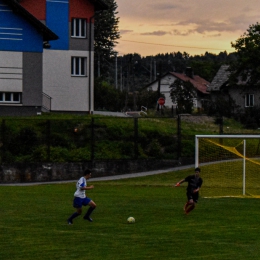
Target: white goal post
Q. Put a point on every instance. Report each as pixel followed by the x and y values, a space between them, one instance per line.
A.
pixel 241 155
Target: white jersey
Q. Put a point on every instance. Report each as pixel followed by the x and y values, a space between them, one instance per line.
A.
pixel 82 182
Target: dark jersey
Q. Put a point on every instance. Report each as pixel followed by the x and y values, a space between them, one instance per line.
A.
pixel 193 183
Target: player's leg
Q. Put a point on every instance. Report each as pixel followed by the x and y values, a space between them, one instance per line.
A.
pixel 193 201
pixel 190 207
pixel 185 206
pixel 189 201
pixel 92 206
pixel 77 204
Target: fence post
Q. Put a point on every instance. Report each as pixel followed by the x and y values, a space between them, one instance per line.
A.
pixel 179 136
pixel 48 139
pixel 3 141
pixel 136 138
pixel 92 143
pixel 221 125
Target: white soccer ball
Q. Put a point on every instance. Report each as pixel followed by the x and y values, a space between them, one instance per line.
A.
pixel 131 220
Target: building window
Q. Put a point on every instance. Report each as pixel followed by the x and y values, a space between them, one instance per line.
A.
pixel 249 100
pixel 78 66
pixel 9 97
pixel 78 28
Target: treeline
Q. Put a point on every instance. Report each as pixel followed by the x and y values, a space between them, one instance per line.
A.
pixel 134 72
pixel 121 81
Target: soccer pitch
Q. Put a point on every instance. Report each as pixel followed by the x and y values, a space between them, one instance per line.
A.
pixel 33 222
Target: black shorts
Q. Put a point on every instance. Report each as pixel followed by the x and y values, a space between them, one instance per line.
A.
pixel 193 196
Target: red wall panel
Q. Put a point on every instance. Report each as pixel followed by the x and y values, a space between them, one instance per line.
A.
pixel 81 9
pixel 36 8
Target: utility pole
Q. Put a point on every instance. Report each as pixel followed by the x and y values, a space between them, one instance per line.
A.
pixel 121 77
pixel 155 74
pixel 116 70
pixel 98 65
pixel 151 70
pixel 159 74
pixel 159 83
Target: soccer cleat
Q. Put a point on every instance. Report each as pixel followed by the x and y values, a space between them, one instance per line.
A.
pixel 70 222
pixel 88 218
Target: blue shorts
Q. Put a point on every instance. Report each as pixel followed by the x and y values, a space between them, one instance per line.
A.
pixel 79 202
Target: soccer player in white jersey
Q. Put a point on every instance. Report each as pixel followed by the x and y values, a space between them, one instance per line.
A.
pixel 80 198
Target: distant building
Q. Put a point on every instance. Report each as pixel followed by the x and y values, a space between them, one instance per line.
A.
pixel 168 78
pixel 243 96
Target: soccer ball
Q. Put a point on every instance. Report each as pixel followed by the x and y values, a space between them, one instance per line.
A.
pixel 131 220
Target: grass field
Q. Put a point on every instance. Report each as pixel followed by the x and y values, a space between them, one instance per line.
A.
pixel 33 223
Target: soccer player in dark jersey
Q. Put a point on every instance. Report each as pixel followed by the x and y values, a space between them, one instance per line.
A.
pixel 194 185
pixel 80 198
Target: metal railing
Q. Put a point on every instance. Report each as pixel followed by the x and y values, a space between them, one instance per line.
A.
pixel 46 102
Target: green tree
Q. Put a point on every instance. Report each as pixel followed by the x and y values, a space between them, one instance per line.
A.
pixel 247 65
pixel 106 34
pixel 107 97
pixel 183 93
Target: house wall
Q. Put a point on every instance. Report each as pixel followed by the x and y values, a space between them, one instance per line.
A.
pixel 238 94
pixel 17 34
pixel 11 71
pixel 32 79
pixel 21 48
pixel 68 93
pixel 81 9
pixel 22 72
pixel 165 89
pixel 82 44
pixel 38 10
pixel 57 19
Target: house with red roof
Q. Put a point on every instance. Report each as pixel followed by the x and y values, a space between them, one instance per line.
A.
pixel 165 81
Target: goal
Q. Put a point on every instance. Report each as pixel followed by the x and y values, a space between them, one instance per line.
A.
pixel 230 164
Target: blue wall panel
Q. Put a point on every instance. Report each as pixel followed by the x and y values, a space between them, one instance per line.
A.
pixel 16 34
pixel 57 19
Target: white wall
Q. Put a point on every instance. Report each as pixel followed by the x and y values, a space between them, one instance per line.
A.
pixel 11 71
pixel 67 93
pixel 165 89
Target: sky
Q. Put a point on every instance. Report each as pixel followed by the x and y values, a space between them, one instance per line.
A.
pixel 150 27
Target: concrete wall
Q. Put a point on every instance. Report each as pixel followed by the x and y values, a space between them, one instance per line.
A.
pixel 43 172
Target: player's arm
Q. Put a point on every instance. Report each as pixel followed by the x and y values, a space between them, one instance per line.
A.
pixel 179 183
pixel 87 187
pixel 196 190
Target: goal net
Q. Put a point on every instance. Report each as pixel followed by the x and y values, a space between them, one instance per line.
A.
pixel 230 164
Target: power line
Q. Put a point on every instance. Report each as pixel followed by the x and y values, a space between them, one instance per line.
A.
pixel 171 45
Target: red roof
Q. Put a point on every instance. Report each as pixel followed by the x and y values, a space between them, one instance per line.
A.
pixel 199 83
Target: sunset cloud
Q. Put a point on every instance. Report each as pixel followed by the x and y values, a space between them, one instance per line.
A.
pixel 156 33
pixel 202 24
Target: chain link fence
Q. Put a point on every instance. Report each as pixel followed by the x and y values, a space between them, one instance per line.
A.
pixel 104 138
